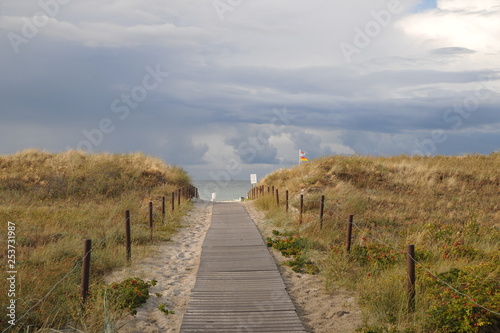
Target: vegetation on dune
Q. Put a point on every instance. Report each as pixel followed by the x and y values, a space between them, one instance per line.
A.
pixel 76 175
pixel 56 201
pixel 447 207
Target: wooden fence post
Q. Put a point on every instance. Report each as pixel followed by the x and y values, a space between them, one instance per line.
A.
pixel 151 219
pixel 277 198
pixel 163 209
pixel 173 201
pixel 349 233
pixel 179 192
pixel 87 249
pixel 286 200
pixel 301 208
pixel 321 212
pixel 410 262
pixel 128 239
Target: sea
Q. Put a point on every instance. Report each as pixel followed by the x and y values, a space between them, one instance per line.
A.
pixel 231 190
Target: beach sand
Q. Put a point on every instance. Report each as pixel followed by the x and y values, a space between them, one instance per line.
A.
pixel 174 265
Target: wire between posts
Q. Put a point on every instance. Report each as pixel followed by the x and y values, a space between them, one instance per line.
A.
pixel 412 258
pixel 75 266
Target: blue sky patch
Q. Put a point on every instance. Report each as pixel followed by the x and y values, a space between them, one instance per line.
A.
pixel 426 5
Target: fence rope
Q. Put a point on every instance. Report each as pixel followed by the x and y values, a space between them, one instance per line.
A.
pixel 75 266
pixel 412 258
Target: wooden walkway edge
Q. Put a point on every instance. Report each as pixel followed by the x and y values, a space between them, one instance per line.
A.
pixel 238 286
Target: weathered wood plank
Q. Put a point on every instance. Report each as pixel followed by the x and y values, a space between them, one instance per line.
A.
pixel 238 286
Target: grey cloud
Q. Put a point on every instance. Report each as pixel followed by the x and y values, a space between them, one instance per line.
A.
pixel 376 143
pixel 230 76
pixel 252 145
pixel 310 143
pixel 453 51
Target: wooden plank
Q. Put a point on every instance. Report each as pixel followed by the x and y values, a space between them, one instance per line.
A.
pixel 238 286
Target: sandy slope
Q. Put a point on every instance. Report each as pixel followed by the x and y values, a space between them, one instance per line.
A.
pixel 174 265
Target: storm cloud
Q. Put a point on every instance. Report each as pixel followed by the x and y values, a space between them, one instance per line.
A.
pixel 198 83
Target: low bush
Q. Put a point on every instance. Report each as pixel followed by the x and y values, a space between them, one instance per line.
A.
pixel 296 247
pixel 464 299
pixel 129 294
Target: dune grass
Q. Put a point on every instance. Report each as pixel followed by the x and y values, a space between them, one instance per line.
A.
pixel 448 207
pixel 58 200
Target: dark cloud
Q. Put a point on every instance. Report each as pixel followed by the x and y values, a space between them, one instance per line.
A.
pixel 227 78
pixel 453 51
pixel 310 143
pixel 253 146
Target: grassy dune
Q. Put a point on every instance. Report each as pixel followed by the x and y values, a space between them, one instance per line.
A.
pixel 448 207
pixel 56 201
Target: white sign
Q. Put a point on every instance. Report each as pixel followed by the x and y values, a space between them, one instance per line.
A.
pixel 253 178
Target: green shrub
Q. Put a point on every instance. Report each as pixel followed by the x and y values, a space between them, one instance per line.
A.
pixel 378 256
pixel 296 247
pixel 165 310
pixel 130 294
pixel 452 311
pixel 460 250
pixel 300 264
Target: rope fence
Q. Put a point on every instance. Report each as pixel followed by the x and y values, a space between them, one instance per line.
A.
pixel 187 193
pixel 259 191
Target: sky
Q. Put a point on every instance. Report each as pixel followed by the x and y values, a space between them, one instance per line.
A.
pixel 226 88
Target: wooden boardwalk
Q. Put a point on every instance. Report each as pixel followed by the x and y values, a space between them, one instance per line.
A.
pixel 238 286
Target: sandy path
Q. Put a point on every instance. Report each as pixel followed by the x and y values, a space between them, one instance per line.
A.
pixel 174 265
pixel 320 312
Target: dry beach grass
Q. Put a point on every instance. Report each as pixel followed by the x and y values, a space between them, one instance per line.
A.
pixel 56 201
pixel 448 207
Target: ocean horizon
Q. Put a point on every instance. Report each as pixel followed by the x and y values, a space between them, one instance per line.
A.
pixel 232 190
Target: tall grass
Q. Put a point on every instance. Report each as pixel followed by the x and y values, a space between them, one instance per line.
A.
pixel 56 201
pixel 447 206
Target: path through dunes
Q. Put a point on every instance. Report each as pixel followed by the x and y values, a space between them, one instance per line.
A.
pixel 238 286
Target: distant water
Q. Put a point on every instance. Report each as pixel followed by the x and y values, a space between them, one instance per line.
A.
pixel 225 190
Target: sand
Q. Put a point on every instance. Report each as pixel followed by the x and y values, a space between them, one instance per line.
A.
pixel 319 310
pixel 174 265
